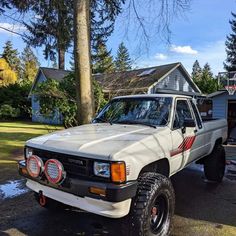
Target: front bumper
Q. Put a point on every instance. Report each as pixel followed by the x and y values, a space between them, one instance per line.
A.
pixel 96 206
pixel 75 192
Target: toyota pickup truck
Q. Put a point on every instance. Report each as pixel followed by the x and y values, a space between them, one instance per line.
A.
pixel 120 165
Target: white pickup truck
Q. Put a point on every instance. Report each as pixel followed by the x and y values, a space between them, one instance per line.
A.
pixel 120 164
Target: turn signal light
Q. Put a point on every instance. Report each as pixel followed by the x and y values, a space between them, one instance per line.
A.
pixel 118 172
pixel 98 191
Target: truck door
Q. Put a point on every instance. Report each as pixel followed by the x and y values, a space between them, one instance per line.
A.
pixel 199 147
pixel 183 138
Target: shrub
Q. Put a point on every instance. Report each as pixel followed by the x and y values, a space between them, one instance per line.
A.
pixel 8 112
pixel 16 95
pixel 61 96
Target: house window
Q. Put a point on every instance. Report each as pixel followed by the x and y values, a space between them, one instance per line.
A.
pixel 176 82
pixel 166 82
pixel 186 87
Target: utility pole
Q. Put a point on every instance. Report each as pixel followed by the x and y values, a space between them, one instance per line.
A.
pixel 83 74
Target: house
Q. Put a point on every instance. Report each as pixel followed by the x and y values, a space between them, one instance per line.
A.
pixel 42 75
pixel 146 80
pixel 224 106
pixel 224 101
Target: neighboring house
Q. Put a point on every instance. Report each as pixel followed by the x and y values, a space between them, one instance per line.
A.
pixel 147 80
pixel 224 106
pixel 42 75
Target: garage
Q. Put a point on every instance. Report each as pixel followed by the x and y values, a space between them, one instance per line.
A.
pixel 224 106
pixel 232 119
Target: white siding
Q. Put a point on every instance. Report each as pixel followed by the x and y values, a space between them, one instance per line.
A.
pixel 220 105
pixel 174 81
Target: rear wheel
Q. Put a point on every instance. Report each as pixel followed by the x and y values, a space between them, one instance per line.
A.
pixel 214 164
pixel 152 208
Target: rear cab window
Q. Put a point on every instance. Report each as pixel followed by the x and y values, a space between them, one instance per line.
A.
pixel 196 113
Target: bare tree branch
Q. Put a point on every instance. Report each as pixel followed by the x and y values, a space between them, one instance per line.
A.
pixel 153 18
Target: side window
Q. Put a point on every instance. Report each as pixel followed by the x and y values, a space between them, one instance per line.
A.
pixel 199 122
pixel 182 113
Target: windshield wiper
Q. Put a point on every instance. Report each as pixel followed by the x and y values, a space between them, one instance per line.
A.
pixel 102 120
pixel 130 122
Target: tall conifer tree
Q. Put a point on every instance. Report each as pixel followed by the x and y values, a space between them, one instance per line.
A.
pixel 123 61
pixel 29 65
pixel 11 56
pixel 230 63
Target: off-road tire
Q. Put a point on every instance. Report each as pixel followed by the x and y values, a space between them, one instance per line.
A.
pixel 214 164
pixel 151 186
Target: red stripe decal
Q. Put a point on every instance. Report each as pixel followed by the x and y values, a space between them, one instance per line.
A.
pixel 184 146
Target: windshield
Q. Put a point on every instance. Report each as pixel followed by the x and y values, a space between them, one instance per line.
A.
pixel 146 111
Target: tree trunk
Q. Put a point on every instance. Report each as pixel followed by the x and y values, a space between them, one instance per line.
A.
pixel 83 61
pixel 61 59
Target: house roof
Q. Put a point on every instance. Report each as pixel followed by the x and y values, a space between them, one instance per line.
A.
pixel 217 93
pixel 139 79
pixel 52 73
pixel 49 73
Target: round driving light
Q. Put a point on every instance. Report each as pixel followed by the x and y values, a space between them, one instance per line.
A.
pixel 54 171
pixel 34 166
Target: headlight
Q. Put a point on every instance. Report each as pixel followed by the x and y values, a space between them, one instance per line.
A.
pixel 102 169
pixel 28 152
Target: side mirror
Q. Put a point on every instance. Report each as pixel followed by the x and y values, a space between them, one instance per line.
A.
pixel 189 123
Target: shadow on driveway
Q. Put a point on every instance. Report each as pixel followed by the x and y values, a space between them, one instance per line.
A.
pixel 195 199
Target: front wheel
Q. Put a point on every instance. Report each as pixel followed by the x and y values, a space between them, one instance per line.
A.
pixel 152 208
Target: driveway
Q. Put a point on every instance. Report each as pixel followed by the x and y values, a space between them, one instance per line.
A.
pixel 202 209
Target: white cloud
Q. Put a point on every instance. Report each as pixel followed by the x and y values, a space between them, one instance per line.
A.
pixel 12 27
pixel 183 49
pixel 211 52
pixel 160 56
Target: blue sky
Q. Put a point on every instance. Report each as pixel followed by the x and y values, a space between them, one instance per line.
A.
pixel 199 33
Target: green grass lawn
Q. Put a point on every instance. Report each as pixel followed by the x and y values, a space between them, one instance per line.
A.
pixel 14 134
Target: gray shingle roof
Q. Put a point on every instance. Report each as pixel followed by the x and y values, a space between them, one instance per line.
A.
pixel 56 74
pixel 138 80
pixel 217 93
pixel 133 79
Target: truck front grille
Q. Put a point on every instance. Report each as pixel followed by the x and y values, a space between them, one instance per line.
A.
pixel 73 165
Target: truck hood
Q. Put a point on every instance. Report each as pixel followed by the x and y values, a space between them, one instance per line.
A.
pixel 99 141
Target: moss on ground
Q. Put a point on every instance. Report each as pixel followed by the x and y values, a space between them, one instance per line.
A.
pixel 190 227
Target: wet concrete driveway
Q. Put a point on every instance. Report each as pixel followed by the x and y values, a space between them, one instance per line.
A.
pixel 201 209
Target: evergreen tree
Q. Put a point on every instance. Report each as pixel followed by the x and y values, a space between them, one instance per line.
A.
pixel 123 61
pixel 29 65
pixel 53 29
pixel 230 63
pixel 72 62
pixel 197 71
pixel 11 56
pixel 206 81
pixel 206 71
pixel 54 64
pixel 102 60
pixel 3 5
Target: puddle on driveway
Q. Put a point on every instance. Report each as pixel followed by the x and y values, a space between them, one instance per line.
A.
pixel 231 170
pixel 12 189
